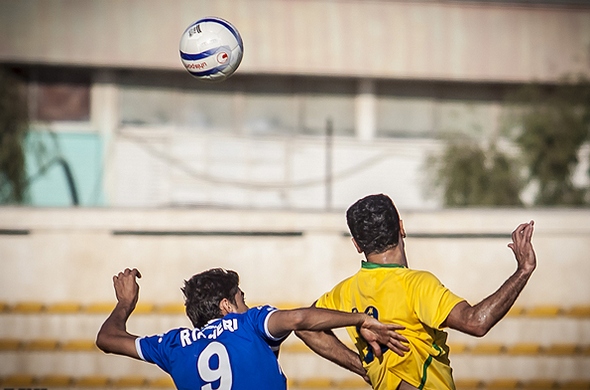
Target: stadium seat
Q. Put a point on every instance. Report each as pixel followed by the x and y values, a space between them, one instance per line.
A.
pixel 561 349
pixel 458 348
pixel 10 344
pixel 467 384
pixel 582 311
pixel 130 381
pixel 544 311
pixel 295 347
pixel 51 381
pixel 64 308
pixel 314 383
pixel 79 345
pixel 27 308
pixel 487 349
pixel 539 384
pixel 144 308
pixel 3 307
pixel 170 308
pixel 515 311
pixel 20 380
pixel 351 383
pixel 577 384
pixel 524 349
pixel 41 345
pixel 164 382
pixel 506 383
pixel 92 381
pixel 99 308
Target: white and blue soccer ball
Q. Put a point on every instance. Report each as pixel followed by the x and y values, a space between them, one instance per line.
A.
pixel 211 49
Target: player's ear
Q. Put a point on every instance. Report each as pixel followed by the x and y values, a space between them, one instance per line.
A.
pixel 226 307
pixel 402 231
pixel 357 246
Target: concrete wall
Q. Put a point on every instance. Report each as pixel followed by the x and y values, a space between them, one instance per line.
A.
pixel 390 39
pixel 71 254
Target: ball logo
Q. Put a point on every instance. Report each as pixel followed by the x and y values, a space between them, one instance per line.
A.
pixel 196 66
pixel 222 57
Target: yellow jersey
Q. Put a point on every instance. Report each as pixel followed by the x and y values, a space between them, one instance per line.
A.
pixel 415 299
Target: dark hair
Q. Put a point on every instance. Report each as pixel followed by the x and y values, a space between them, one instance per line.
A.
pixel 204 291
pixel 374 223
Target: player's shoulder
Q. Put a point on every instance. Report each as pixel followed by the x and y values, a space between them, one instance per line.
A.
pixel 420 276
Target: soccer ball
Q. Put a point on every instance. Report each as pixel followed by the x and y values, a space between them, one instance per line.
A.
pixel 211 49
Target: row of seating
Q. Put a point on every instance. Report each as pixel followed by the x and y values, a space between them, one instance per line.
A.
pixel 298 347
pixel 579 311
pixel 98 381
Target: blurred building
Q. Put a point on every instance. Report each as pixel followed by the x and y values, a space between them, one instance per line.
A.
pixel 388 79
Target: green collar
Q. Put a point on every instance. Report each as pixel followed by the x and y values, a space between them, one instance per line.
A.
pixel 369 265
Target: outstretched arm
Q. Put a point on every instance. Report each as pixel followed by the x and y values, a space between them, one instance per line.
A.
pixel 479 319
pixel 328 346
pixel 113 336
pixel 374 332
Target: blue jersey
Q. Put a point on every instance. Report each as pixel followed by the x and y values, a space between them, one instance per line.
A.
pixel 235 352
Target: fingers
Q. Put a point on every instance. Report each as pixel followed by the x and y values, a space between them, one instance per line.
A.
pixel 376 348
pixel 395 327
pixel 128 272
pixel 523 233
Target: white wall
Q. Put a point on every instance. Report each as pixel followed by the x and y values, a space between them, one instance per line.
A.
pixel 71 254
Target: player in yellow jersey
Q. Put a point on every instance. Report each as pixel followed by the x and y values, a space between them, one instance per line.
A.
pixel 387 289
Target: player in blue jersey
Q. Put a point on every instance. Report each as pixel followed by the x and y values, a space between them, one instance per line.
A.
pixel 231 347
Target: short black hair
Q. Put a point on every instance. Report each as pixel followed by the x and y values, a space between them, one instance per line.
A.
pixel 204 291
pixel 374 223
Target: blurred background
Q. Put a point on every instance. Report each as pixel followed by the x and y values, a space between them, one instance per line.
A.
pixel 473 116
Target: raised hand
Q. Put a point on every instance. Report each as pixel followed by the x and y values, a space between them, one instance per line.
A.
pixel 522 246
pixel 376 333
pixel 126 287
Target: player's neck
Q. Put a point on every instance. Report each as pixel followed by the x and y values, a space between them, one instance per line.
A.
pixel 394 255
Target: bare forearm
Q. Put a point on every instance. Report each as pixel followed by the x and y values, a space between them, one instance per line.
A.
pixel 479 319
pixel 328 346
pixel 114 328
pixel 494 308
pixel 316 319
